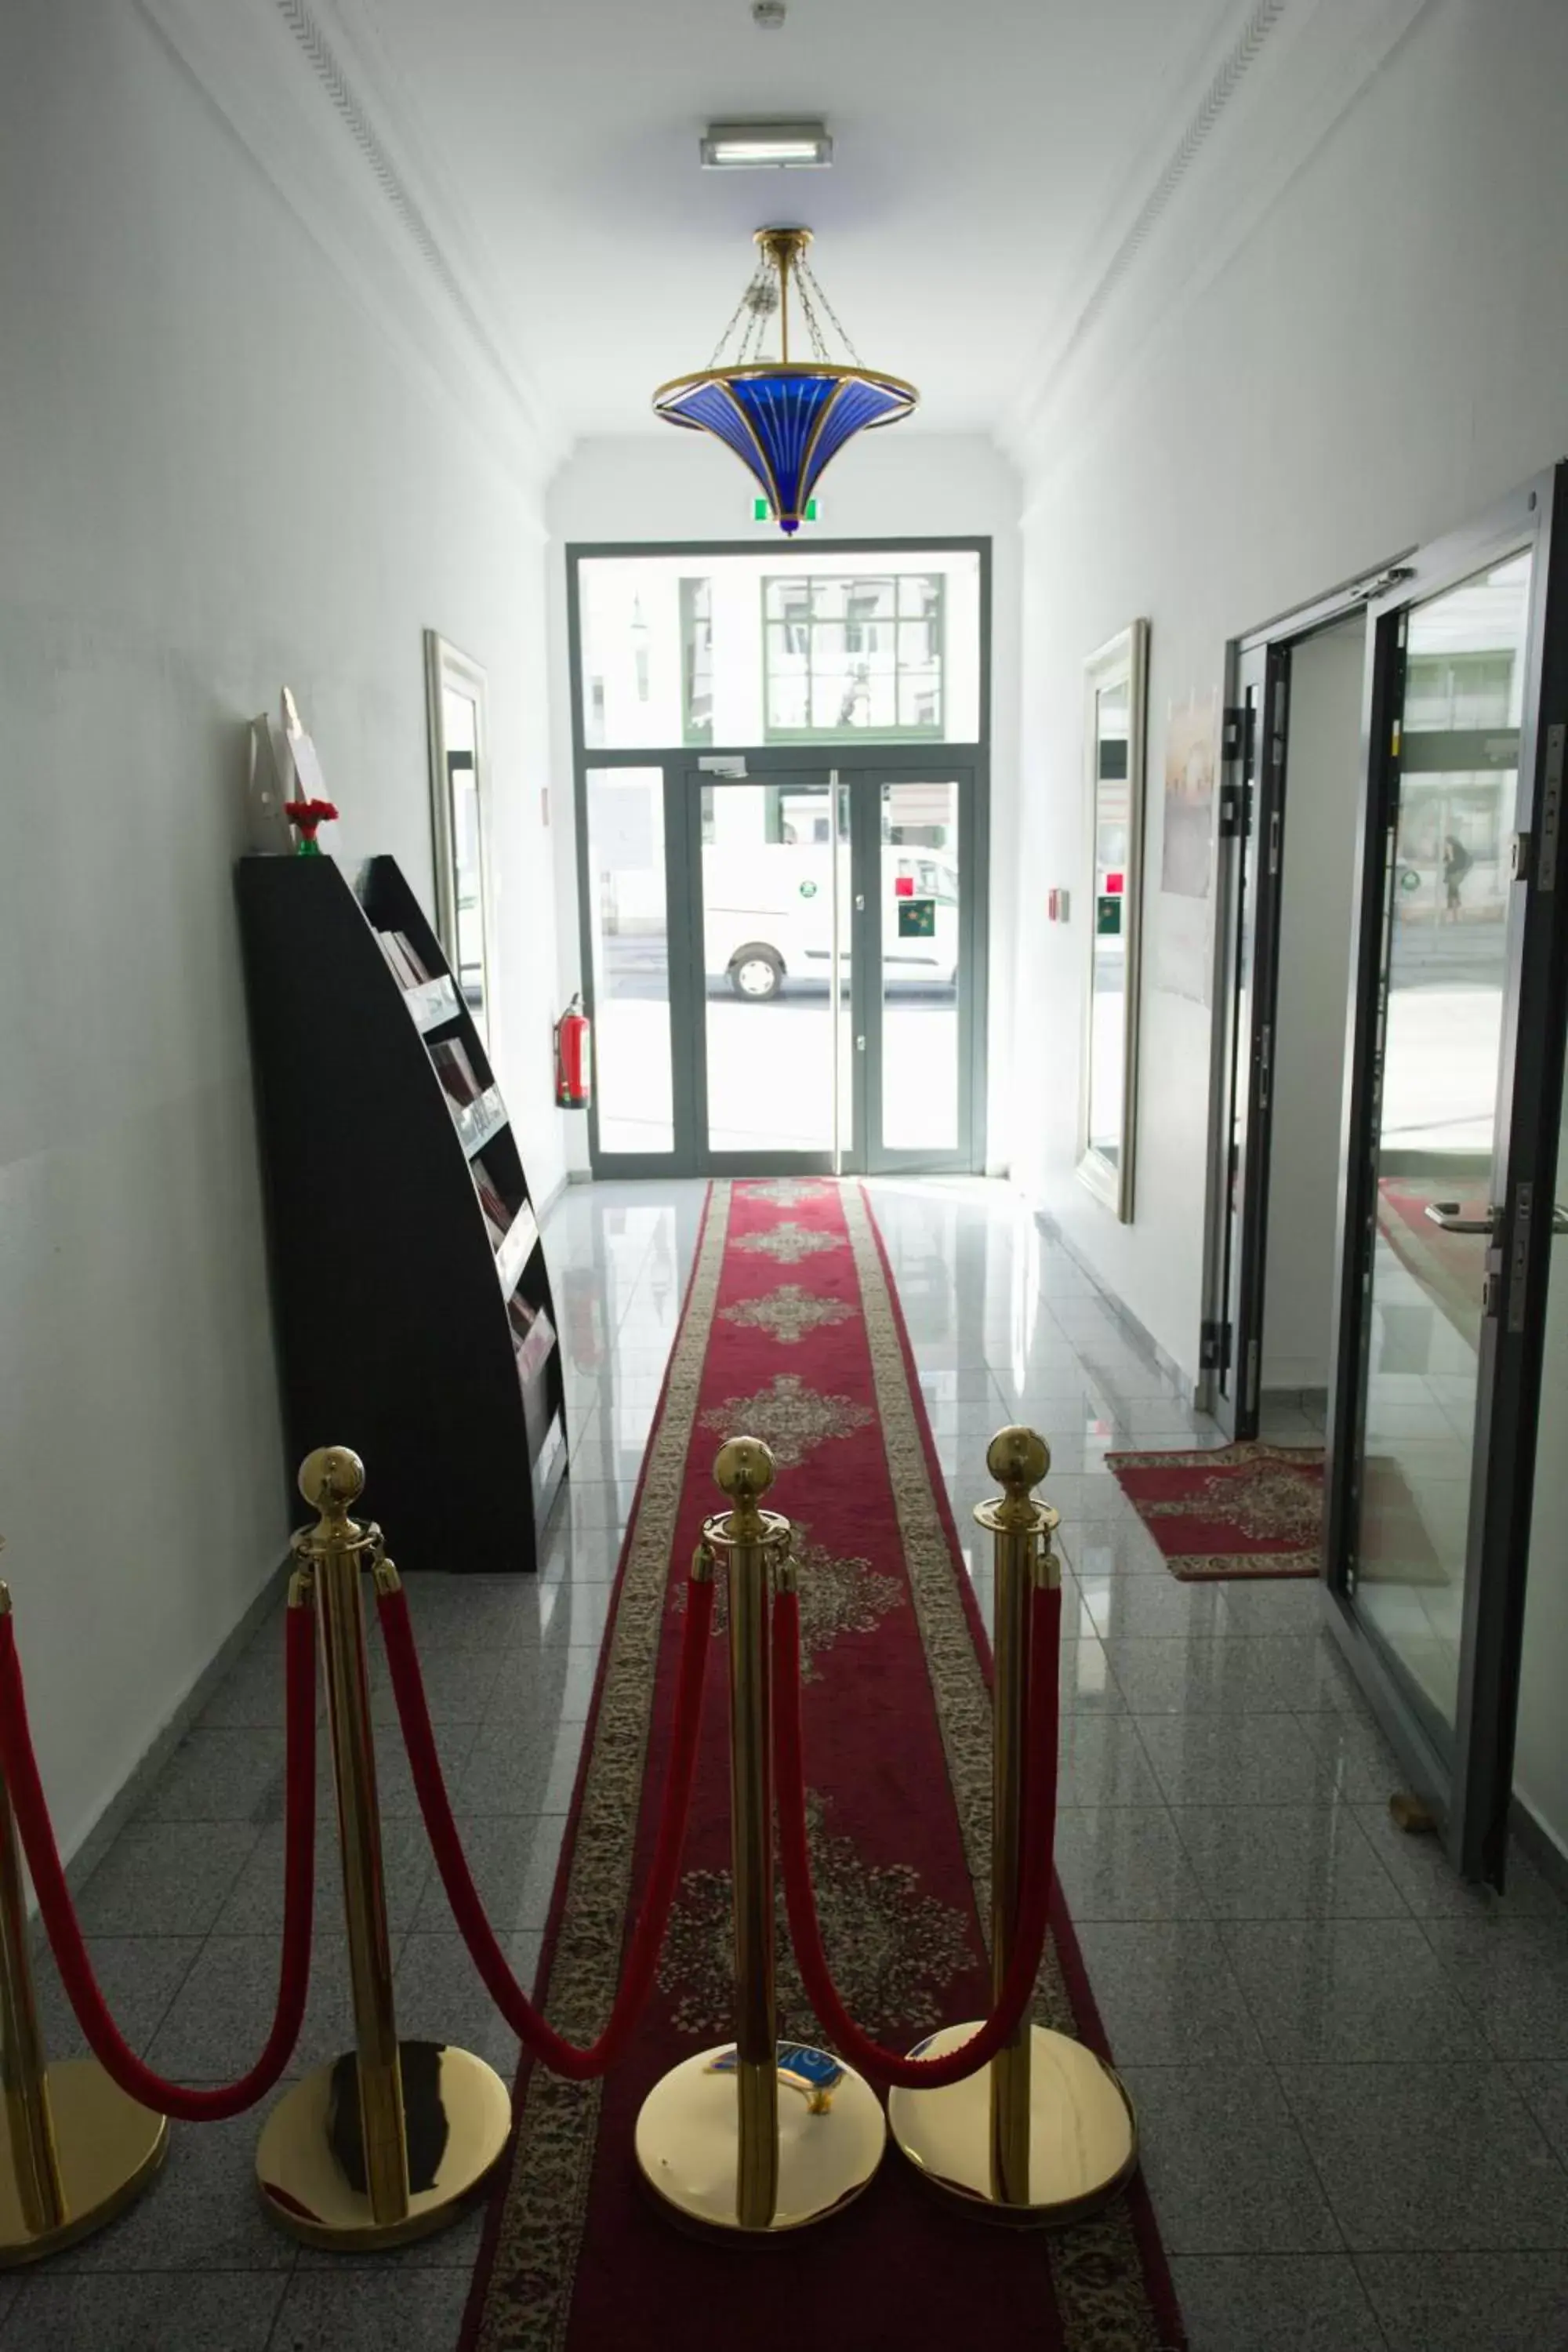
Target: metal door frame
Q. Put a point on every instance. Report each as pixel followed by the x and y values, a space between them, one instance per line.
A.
pixel 968 762
pixel 968 1155
pixel 685 946
pixel 1250 902
pixel 861 778
pixel 1470 1788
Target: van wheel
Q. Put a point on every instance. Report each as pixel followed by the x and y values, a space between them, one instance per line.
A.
pixel 756 973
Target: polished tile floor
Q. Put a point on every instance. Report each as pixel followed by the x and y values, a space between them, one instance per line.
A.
pixel 1351 2073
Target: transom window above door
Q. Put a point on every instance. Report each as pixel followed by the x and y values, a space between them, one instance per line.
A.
pixel 846 652
pixel 698 649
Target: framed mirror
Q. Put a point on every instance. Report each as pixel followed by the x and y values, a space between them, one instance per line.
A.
pixel 1115 680
pixel 455 703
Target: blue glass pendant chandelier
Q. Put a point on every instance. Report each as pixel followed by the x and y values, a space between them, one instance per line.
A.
pixel 787 419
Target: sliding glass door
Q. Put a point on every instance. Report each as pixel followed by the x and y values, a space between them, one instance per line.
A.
pixel 1451 1152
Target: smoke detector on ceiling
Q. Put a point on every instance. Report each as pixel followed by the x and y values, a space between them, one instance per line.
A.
pixel 768 16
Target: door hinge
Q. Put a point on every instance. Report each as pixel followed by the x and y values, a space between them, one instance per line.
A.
pixel 1519 1255
pixel 1274 841
pixel 1551 809
pixel 1236 738
pixel 1279 709
pixel 1235 811
pixel 1519 858
pixel 1264 1062
pixel 1213 1348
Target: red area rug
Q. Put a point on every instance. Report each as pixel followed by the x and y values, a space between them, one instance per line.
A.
pixel 792 1331
pixel 1229 1510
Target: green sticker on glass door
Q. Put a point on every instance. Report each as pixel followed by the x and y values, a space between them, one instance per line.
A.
pixel 917 919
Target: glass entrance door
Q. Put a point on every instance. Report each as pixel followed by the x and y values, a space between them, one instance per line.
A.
pixel 1452 1142
pixel 775 936
pixel 921 1068
pixel 831 953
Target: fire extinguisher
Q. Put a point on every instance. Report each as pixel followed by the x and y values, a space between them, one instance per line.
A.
pixel 572 1059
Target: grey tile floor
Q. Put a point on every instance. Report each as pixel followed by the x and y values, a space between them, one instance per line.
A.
pixel 1352 2072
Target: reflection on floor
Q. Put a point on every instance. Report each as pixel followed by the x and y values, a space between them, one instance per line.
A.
pixel 1420 1418
pixel 1352 2074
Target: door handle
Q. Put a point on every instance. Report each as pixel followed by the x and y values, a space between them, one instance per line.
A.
pixel 1453 1220
pixel 859 1044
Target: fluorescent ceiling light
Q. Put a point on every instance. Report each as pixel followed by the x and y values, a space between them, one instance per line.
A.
pixel 766 146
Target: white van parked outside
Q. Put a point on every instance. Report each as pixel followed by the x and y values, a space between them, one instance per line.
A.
pixel 768 916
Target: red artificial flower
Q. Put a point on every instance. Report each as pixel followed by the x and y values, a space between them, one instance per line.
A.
pixel 310 813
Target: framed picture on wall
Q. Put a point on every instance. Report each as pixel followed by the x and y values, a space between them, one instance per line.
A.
pixel 1115 689
pixel 459 794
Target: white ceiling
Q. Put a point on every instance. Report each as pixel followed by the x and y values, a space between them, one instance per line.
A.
pixel 987 154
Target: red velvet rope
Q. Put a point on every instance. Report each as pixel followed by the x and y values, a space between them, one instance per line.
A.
pixel 119 2061
pixel 539 2037
pixel 1034 1893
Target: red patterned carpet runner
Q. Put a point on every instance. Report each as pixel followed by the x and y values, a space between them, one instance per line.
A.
pixel 1229 1510
pixel 792 1332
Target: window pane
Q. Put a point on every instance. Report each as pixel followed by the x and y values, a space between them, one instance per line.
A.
pixel 1445 980
pixel 697 659
pixel 919 967
pixel 676 652
pixel 768 914
pixel 919 705
pixel 629 942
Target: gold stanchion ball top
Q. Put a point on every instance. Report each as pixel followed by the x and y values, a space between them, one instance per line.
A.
pixel 744 1468
pixel 1019 1458
pixel 331 1478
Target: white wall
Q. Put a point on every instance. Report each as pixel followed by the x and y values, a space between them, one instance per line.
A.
pixel 1386 353
pixel 219 475
pixel 1323 789
pixel 902 483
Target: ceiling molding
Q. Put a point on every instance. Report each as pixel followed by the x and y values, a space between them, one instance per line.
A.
pixel 306 87
pixel 1262 19
pixel 1261 102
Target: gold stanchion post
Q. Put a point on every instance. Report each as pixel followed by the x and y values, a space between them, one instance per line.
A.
pixel 759 2136
pixel 76 2151
pixel 1045 2132
pixel 391 2141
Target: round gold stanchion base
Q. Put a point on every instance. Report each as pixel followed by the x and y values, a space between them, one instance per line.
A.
pixel 310 2164
pixel 1083 2140
pixel 687 2145
pixel 107 2147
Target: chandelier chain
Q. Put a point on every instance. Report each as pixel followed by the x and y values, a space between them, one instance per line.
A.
pixel 745 296
pixel 805 270
pixel 752 342
pixel 813 324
